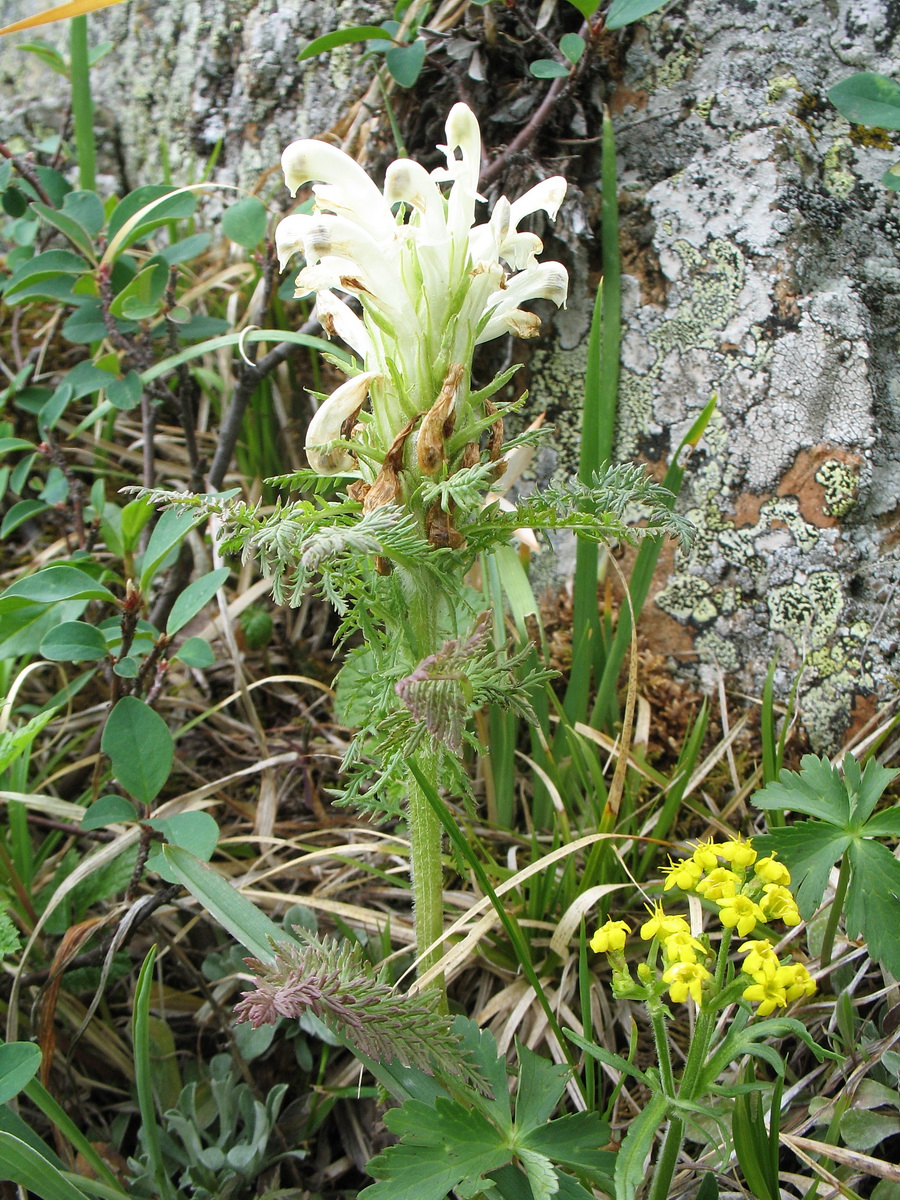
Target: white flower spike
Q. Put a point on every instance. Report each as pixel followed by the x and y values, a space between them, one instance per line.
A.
pixel 431 283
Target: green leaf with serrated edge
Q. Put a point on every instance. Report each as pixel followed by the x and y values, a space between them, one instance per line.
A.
pixel 225 904
pixel 872 906
pixel 574 1141
pixel 74 641
pixel 541 1083
pixel 539 1172
pixel 868 99
pixel 55 584
pixel 808 849
pixel 196 652
pixel 194 598
pixel 21 511
pixel 19 1062
pixel 443 1147
pixel 817 790
pixel 140 748
pixel 22 1164
pixel 548 68
pixel 405 62
pixel 245 222
pixel 624 12
pixel 108 810
pixel 633 1152
pixel 873 783
pixel 342 37
pixel 572 46
pixel 511 1184
pixel 171 528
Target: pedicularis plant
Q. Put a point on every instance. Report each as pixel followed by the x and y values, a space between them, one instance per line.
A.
pixel 406 457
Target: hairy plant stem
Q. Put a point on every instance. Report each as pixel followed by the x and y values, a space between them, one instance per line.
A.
pixel 424 598
pixel 834 914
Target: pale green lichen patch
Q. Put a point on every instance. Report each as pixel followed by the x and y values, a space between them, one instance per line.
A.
pixel 837 177
pixel 841 484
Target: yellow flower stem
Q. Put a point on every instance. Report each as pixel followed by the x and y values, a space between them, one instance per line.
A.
pixel 690 1078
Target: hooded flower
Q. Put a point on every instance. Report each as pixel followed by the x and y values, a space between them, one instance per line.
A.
pixel 431 282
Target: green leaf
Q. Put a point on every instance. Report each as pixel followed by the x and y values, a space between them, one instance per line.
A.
pixel 54 584
pixel 868 99
pixel 144 292
pixel 19 1062
pixel 443 1147
pixel 194 598
pixel 86 208
pixel 342 37
pixel 624 12
pixel 818 791
pixel 74 641
pixel 172 528
pixel 125 393
pixel 636 1146
pixel 541 1083
pixel 135 516
pixel 22 1164
pixel 891 179
pixel 108 810
pixel 574 1141
pixel 14 443
pixel 245 222
pixel 127 667
pixel 225 904
pixel 176 206
pixel 572 46
pixel 872 785
pixel 24 625
pixel 196 652
pixel 21 511
pixel 257 626
pixel 44 266
pixel 587 8
pixel 140 748
pixel 548 68
pixel 709 1188
pixel 873 901
pixel 196 832
pixel 405 62
pixel 863 1130
pixel 808 849
pixel 75 232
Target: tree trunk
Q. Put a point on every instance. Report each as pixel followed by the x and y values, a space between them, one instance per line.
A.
pixel 760 252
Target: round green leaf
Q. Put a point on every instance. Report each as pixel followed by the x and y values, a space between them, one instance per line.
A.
pixel 108 810
pixel 140 748
pixel 127 667
pixel 15 202
pixel 74 641
pixel 405 62
pixel 19 1062
pixel 196 652
pixel 195 832
pixel 125 393
pixel 572 46
pixel 547 68
pixel 245 222
pixel 59 583
pixel 868 99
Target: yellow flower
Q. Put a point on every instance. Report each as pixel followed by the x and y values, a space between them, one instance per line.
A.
pixel 738 852
pixel 610 936
pixel 741 913
pixel 796 981
pixel 768 994
pixel 776 901
pixel 770 871
pixel 682 874
pixel 761 961
pixel 662 926
pixel 719 884
pixel 686 979
pixel 681 947
pixel 705 855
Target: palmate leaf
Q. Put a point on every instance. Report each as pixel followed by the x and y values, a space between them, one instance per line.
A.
pixel 809 850
pixel 873 901
pixel 817 790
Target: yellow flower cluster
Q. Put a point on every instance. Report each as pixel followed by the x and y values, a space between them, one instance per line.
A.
pixel 745 899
